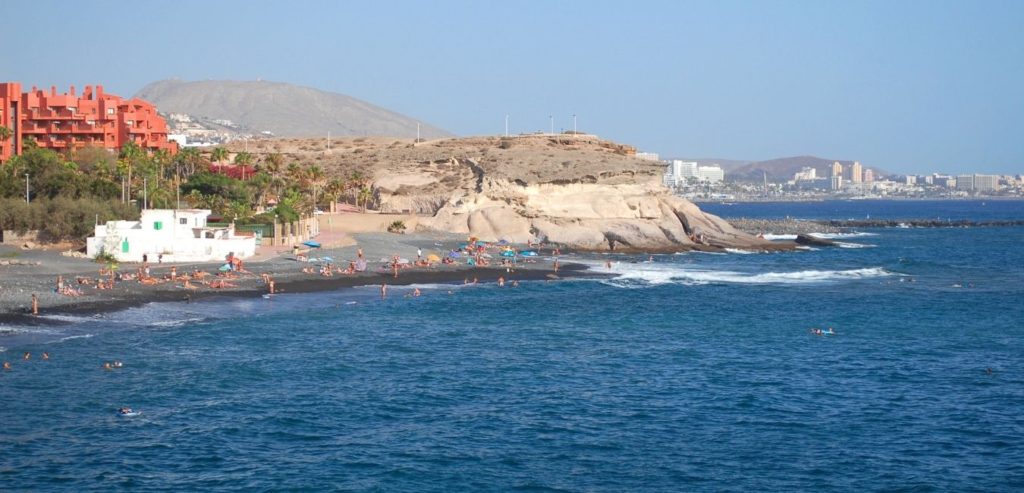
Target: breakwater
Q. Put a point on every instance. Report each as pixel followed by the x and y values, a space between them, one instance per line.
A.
pixel 810 226
pixel 919 223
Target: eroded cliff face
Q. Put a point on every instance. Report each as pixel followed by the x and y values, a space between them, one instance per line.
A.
pixel 611 211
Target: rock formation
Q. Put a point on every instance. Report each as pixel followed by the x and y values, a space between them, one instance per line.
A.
pixel 600 209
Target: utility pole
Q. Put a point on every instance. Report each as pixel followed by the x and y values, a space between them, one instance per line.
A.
pixel 145 194
pixel 417 131
pixel 552 118
pixel 27 201
pixel 574 123
pixel 506 125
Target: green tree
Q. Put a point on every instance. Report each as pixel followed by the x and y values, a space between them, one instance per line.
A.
pixel 218 155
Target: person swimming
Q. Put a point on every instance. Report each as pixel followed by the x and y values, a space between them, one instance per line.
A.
pixel 46 355
pixel 126 411
pixel 118 364
pixel 7 365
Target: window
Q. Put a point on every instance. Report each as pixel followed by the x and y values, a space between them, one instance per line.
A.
pixel 183 220
pixel 158 225
pixel 110 111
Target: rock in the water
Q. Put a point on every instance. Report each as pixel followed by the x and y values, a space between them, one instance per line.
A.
pixel 811 240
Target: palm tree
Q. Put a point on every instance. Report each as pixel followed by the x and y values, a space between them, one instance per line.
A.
pixel 316 179
pixel 365 194
pixel 5 135
pixel 130 154
pixel 356 181
pixel 273 163
pixel 218 154
pixel 243 159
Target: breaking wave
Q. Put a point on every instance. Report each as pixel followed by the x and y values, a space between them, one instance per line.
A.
pixel 649 275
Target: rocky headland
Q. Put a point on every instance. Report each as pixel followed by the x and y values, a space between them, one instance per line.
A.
pixel 575 190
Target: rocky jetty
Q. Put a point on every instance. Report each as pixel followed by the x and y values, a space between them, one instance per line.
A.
pixel 783 226
pixel 811 240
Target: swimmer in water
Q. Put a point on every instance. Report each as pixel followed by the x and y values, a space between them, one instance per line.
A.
pixel 46 355
pixel 106 365
pixel 125 410
pixel 416 292
pixel 118 364
pixel 830 331
pixel 7 365
pixel 27 355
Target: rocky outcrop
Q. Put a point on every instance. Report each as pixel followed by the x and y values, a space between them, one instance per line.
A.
pixel 811 240
pixel 585 216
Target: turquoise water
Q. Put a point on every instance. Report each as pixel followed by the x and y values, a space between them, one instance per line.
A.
pixel 692 372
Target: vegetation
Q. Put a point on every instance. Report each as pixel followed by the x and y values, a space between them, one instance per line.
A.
pixel 397 227
pixel 69 192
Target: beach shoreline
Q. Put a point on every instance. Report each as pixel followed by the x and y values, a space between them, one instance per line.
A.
pixel 37 271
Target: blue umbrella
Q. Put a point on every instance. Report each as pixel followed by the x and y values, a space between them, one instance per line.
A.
pixel 311 244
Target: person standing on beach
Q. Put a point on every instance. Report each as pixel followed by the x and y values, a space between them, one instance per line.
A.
pixel 556 265
pixel 383 290
pixel 35 304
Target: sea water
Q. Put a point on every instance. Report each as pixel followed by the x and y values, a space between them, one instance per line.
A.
pixel 689 372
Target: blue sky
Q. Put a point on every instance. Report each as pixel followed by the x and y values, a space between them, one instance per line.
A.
pixel 912 86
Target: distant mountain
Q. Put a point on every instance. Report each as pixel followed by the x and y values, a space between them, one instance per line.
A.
pixel 285 110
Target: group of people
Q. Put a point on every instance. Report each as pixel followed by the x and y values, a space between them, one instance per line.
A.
pixel 818 332
pixel 27 356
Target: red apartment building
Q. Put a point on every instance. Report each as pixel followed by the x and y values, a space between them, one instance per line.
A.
pixel 67 121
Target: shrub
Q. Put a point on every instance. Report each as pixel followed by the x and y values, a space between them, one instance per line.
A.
pixel 397 227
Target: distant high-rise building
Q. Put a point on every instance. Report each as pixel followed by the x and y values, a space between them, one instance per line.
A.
pixel 837 181
pixel 678 172
pixel 965 182
pixel 869 175
pixel 837 170
pixel 856 172
pixel 985 183
pixel 711 174
pixel 806 174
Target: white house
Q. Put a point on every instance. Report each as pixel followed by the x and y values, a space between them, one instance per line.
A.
pixel 180 235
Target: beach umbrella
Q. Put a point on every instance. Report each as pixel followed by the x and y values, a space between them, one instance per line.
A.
pixel 433 258
pixel 225 268
pixel 311 244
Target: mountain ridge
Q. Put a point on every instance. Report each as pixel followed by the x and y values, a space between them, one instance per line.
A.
pixel 283 109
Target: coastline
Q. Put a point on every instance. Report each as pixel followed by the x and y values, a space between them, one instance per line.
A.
pixel 38 271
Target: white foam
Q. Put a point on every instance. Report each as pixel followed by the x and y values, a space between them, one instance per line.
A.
pixel 651 275
pixel 779 237
pixel 175 323
pixel 68 318
pixel 68 338
pixel 843 235
pixel 741 252
pixel 844 244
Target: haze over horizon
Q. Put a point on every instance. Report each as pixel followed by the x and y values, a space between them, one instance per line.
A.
pixel 909 87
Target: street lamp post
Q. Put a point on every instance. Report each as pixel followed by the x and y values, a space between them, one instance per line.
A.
pixel 27 201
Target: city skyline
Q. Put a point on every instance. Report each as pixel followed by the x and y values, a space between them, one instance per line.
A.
pixel 909 87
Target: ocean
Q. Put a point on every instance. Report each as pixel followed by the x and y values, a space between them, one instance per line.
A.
pixel 691 372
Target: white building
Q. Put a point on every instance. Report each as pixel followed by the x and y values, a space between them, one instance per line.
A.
pixel 179 235
pixel 710 174
pixel 806 174
pixel 648 156
pixel 677 173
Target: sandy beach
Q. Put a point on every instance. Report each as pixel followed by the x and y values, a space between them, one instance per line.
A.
pixel 36 271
